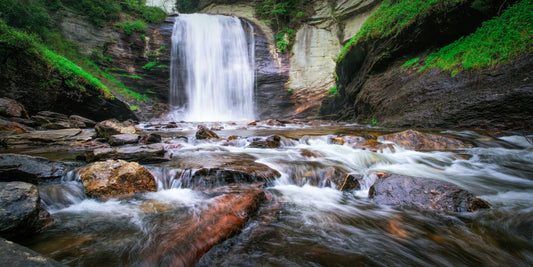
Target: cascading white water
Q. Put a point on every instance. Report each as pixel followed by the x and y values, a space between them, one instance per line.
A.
pixel 212 69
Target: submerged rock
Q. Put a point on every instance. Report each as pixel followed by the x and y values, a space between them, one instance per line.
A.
pixel 373 145
pixel 16 167
pixel 350 182
pixel 114 178
pixel 416 140
pixel 13 254
pixel 21 213
pixel 204 133
pixel 142 154
pixel 423 193
pixel 107 128
pixel 225 217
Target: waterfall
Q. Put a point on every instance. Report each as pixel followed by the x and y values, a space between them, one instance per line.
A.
pixel 212 69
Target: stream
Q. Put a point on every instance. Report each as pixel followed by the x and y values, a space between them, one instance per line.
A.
pixel 303 219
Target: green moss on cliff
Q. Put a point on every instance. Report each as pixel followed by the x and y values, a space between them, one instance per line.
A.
pixel 393 16
pixel 498 40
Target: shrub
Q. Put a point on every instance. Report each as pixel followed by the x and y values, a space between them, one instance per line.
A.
pixel 130 27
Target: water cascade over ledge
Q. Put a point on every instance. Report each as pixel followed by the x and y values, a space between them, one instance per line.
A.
pixel 212 69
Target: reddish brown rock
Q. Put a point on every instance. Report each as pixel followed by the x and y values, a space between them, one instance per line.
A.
pixel 310 154
pixel 115 178
pixel 373 145
pixel 204 133
pixel 225 217
pixel 416 140
pixel 272 141
pixel 337 141
pixel 13 127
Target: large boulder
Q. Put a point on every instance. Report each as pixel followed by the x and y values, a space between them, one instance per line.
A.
pixel 64 137
pixel 143 154
pixel 13 255
pixel 422 193
pixel 16 167
pixel 107 128
pixel 21 213
pixel 12 108
pixel 416 140
pixel 115 178
pixel 247 172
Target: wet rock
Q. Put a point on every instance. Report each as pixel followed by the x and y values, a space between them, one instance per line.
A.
pixel 107 128
pixel 53 137
pixel 114 178
pixel 90 145
pixel 272 141
pixel 13 127
pixel 422 193
pixel 310 154
pixel 79 120
pixel 337 141
pixel 416 140
pixel 225 217
pixel 204 133
pixel 351 182
pixel 143 154
pixel 314 173
pixel 240 172
pixel 13 254
pixel 123 139
pixel 12 108
pixel 151 138
pixel 21 213
pixel 54 121
pixel 17 167
pixel 272 122
pixel 373 145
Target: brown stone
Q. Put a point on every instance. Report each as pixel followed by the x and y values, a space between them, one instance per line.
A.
pixel 115 178
pixel 337 141
pixel 204 133
pixel 416 140
pixel 272 141
pixel 373 145
pixel 107 128
pixel 351 182
pixel 12 108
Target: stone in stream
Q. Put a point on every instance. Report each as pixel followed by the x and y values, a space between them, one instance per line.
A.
pixel 225 217
pixel 350 182
pixel 17 167
pixel 13 254
pixel 143 154
pixel 241 172
pixel 423 193
pixel 21 213
pixel 115 178
pixel 151 138
pixel 204 133
pixel 123 139
pixel 411 139
pixel 373 145
pixel 273 141
pixel 107 128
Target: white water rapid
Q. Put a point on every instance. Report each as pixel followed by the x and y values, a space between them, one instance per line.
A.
pixel 212 69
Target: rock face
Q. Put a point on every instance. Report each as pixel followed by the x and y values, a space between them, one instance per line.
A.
pixel 16 167
pixel 16 255
pixel 113 178
pixel 422 193
pixel 20 210
pixel 416 140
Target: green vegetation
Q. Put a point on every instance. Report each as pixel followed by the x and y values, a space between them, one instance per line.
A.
pixel 163 66
pixel 150 65
pixel 135 77
pixel 284 16
pixel 498 40
pixel 187 6
pixel 130 27
pixel 411 62
pixel 392 17
pixel 332 90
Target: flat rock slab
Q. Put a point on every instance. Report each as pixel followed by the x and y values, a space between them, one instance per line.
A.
pixel 143 154
pixel 17 167
pixel 423 193
pixel 15 255
pixel 51 137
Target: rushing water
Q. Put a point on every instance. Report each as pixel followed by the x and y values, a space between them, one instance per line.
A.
pixel 305 222
pixel 212 68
